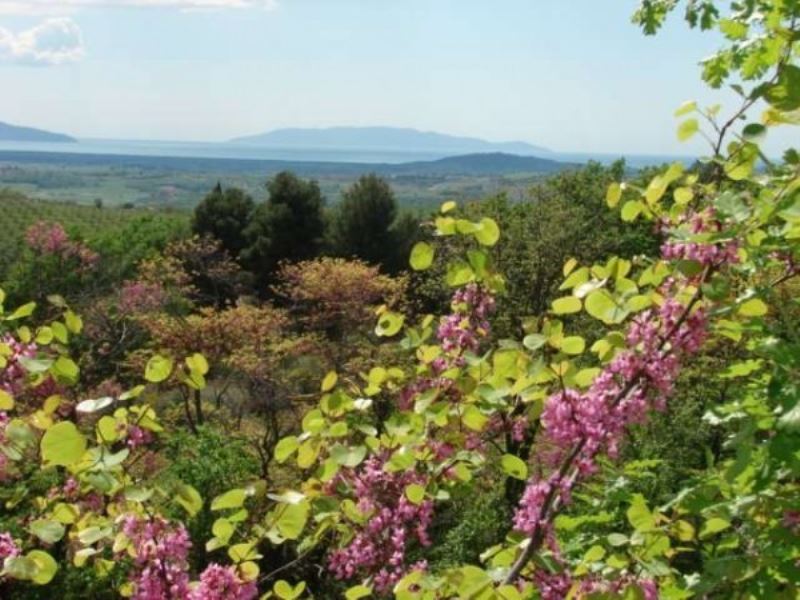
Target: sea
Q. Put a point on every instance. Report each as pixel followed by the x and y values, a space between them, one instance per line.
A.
pixel 239 151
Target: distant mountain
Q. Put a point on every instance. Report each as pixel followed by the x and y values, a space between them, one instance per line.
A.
pixel 384 138
pixel 14 133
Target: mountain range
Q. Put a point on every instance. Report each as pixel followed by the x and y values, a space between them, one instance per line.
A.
pixel 385 138
pixel 15 133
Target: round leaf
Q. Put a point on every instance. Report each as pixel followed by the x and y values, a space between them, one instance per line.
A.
pixel 421 256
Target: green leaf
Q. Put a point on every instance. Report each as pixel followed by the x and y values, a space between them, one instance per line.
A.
pixel 790 420
pixel 389 324
pixel 687 107
pixel 292 519
pixel 198 363
pixel 594 554
pixel 488 233
pixel 713 526
pixel 415 493
pixel 285 591
pixel 348 456
pixel 62 445
pixel 753 308
pixel 73 322
pixel 566 305
pixel 329 382
pixel 6 401
pixel 630 210
pixel 602 306
pixel 613 194
pixel 474 418
pixel 223 530
pixel 286 447
pixel 459 273
pixel 421 256
pixel 514 466
pixel 534 341
pixel 639 516
pixel 617 539
pixel 448 206
pixel 357 592
pixel 158 369
pixel 785 94
pixel 46 566
pixel 23 311
pixel 573 345
pixel 754 132
pixel 231 499
pixel 65 369
pixel 687 129
pixel 47 531
pixel 189 498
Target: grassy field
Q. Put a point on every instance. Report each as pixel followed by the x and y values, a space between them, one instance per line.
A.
pixel 18 212
pixel 182 183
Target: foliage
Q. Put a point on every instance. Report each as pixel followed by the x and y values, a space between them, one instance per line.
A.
pixel 363 220
pixel 376 474
pixel 224 215
pixel 288 226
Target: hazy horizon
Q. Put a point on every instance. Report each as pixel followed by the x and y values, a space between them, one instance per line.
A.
pixel 572 77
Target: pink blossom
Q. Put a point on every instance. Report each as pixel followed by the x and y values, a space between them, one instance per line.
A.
pixel 51 239
pixel 222 583
pixel 139 297
pixel 160 570
pixel 137 436
pixel 8 547
pixel 378 548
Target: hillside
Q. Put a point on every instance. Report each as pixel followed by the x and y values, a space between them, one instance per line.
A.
pixel 15 133
pixel 384 138
pixel 20 212
pixel 495 163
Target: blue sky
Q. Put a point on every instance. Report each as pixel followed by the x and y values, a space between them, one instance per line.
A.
pixel 573 75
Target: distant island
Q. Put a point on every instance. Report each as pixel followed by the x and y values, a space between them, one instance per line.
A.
pixel 15 133
pixel 385 138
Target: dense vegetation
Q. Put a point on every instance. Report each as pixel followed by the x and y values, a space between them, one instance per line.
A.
pixel 588 392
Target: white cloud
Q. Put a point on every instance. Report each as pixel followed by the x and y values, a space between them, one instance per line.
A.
pixel 52 42
pixel 61 7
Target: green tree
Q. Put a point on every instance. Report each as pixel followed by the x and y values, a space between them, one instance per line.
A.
pixel 224 214
pixel 362 222
pixel 289 226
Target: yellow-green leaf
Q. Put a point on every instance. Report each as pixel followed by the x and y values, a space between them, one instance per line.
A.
pixel 687 129
pixel 514 466
pixel 329 382
pixel 566 305
pixel 753 308
pixel 62 445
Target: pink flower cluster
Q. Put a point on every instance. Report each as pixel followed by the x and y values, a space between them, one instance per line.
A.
pixel 137 437
pixel 706 253
pixel 516 427
pixel 8 547
pixel 222 583
pixel 648 587
pixel 582 425
pixel 13 375
pixel 791 521
pixel 463 329
pixel 51 239
pixel 378 549
pixel 139 297
pixel 160 566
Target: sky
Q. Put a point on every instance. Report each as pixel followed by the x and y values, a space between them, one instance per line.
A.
pixel 571 75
